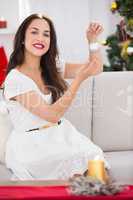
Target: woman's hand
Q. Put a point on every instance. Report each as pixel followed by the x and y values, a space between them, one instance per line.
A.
pixel 92 68
pixel 93 31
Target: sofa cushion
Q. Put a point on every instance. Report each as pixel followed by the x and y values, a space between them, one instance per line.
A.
pixel 5 174
pixel 113 111
pixel 5 128
pixel 121 164
pixel 80 111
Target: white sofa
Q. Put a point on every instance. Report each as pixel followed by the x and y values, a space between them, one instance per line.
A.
pixel 103 110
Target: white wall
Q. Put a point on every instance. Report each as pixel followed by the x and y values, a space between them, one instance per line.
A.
pixel 70 23
pixel 70 17
pixel 9 10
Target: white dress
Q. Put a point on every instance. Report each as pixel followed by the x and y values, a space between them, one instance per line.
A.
pixel 57 152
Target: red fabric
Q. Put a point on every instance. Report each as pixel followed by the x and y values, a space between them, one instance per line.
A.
pixel 3 65
pixel 55 193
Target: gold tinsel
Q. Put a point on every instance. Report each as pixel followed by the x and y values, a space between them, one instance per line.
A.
pixel 130 24
pixel 124 53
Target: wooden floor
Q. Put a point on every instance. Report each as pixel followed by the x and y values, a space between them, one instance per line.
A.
pixel 34 183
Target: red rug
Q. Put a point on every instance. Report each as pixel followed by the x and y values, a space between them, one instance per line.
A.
pixel 55 192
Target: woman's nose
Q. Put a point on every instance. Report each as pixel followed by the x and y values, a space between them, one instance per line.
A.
pixel 40 38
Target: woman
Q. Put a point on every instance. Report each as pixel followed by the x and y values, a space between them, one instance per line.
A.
pixel 38 96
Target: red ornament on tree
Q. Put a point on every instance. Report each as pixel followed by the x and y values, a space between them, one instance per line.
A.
pixel 3 65
pixel 3 23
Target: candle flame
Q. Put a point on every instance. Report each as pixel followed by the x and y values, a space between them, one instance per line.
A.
pixel 97 157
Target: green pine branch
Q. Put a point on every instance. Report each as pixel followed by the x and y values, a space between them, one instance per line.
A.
pixel 119 61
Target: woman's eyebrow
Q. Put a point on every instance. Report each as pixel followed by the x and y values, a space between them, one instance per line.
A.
pixel 34 28
pixel 38 29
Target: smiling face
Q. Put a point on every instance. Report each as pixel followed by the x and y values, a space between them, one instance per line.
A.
pixel 37 37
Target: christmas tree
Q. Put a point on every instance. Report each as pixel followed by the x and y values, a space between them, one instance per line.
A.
pixel 120 44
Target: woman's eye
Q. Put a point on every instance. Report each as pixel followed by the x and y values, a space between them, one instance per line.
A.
pixel 34 32
pixel 46 35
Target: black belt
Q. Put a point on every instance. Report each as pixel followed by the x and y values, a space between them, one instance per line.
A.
pixel 45 126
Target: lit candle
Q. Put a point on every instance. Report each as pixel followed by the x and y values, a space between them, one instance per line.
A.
pixel 96 169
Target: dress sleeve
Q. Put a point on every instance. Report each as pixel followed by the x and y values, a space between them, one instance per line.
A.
pixel 15 84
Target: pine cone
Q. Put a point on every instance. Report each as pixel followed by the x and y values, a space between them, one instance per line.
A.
pixel 82 185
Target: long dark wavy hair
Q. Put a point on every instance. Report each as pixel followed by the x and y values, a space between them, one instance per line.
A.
pixel 48 65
